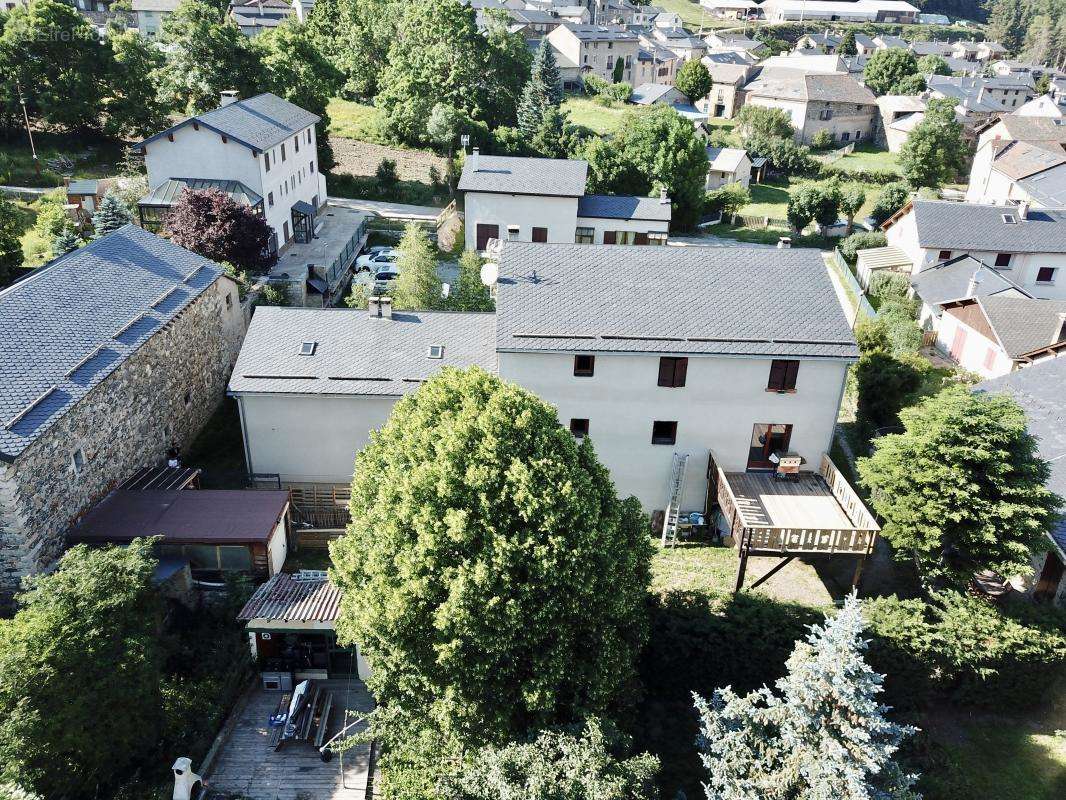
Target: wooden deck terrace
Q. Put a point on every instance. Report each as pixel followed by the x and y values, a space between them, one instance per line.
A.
pixel 246 766
pixel 816 513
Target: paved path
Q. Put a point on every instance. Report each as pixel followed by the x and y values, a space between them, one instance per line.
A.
pixel 387 210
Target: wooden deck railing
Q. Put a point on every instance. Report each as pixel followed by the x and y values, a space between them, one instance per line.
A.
pixel 321 506
pixel 810 540
pixel 847 497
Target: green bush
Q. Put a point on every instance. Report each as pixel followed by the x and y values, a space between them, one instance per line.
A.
pixel 863 240
pixel 619 92
pixel 595 85
pixel 823 140
pixel 727 200
pixel 887 285
pixel 872 176
pixel 892 198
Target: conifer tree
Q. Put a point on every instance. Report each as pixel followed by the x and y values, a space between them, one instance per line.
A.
pixel 544 90
pixel 66 241
pixel 822 734
pixel 110 216
pixel 470 293
pixel 418 285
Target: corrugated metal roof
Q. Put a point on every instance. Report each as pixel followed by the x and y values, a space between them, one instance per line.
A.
pixel 289 598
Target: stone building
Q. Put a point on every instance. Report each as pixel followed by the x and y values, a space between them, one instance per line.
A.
pixel 110 354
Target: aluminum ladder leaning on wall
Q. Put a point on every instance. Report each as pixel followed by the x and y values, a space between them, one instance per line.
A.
pixel 673 507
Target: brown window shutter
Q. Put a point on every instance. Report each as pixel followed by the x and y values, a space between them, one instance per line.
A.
pixel 540 234
pixel 791 371
pixel 777 375
pixel 642 238
pixel 609 237
pixel 680 371
pixel 666 372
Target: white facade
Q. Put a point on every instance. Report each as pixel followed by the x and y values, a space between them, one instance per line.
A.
pixel 309 438
pixel 622 227
pixel 970 349
pixel 597 56
pixel 723 398
pixel 283 175
pixel 1021 268
pixel 519 214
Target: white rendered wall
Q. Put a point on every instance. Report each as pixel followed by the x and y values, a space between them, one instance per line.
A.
pixel 557 214
pixel 639 225
pixel 974 350
pixel 722 400
pixel 309 438
pixel 277 547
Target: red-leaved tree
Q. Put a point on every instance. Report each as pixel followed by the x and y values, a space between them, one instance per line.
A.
pixel 211 223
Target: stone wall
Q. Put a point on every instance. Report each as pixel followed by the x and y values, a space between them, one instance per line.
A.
pixel 163 393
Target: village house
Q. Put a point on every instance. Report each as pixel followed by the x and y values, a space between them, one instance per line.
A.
pixel 725 98
pixel 255 16
pixel 898 115
pixel 657 93
pixel 741 44
pixel 839 11
pixel 151 14
pixel 688 46
pixel 1043 106
pixel 1019 159
pixel 113 353
pixel 626 369
pixel 1038 390
pixel 656 64
pixel 991 335
pixel 544 200
pixel 1028 245
pixel 726 165
pixel 608 52
pixel 958 278
pixel 816 102
pixel 978 52
pixel 1008 91
pixel 732 9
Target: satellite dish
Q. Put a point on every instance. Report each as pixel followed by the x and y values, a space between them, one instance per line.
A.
pixel 490 273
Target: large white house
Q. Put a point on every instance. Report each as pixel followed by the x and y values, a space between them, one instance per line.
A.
pixel 839 11
pixel 1020 159
pixel 650 352
pixel 544 200
pixel 606 51
pixel 1026 244
pixel 262 148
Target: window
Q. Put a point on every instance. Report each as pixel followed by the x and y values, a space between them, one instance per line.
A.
pixel 585 236
pixel 77 461
pixel 283 151
pixel 584 366
pixel 312 166
pixel 858 135
pixel 270 199
pixel 1045 275
pixel 229 300
pixel 540 234
pixel 783 374
pixel 296 144
pixel 1003 260
pixel 435 351
pixel 943 255
pixel 845 136
pixel 512 233
pixel 579 427
pixel 825 114
pixel 266 161
pixel 673 371
pixel 656 238
pixel 309 136
pixel 664 432
pixel 308 348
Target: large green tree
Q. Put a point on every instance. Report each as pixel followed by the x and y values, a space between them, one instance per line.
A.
pixel 469 293
pixel 933 64
pixel 822 734
pixel 295 69
pixel 491 576
pixel 437 56
pixel 962 488
pixel 693 80
pixel 765 122
pixel 206 53
pixel 54 54
pixel 557 765
pixel 934 151
pixel 80 673
pixel 507 63
pixel 655 148
pixel 418 286
pixel 355 35
pixel 10 241
pixel 886 69
pixel 132 104
pixel 542 91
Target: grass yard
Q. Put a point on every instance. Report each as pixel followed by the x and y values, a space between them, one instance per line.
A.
pixel 60 155
pixel 869 158
pixel 694 16
pixel 35 250
pixel 351 120
pixel 768 236
pixel 603 120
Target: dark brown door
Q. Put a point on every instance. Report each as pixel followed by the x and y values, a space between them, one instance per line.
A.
pixel 540 234
pixel 609 237
pixel 486 232
pixel 1050 577
pixel 767 438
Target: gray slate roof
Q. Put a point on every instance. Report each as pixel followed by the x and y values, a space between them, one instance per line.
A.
pixel 607 206
pixel 699 300
pixel 1023 325
pixel 557 177
pixel 260 122
pixel 950 280
pixel 793 84
pixel 73 322
pixel 355 354
pixel 648 93
pixel 600 33
pixel 1038 390
pixel 975 227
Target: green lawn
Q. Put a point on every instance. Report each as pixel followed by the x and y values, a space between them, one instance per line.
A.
pixel 868 158
pixel 351 120
pixel 59 154
pixel 771 199
pixel 693 15
pixel 603 120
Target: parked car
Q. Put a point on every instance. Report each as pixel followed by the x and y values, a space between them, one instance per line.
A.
pixel 383 276
pixel 372 262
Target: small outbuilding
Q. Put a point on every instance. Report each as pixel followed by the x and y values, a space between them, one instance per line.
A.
pixel 215 531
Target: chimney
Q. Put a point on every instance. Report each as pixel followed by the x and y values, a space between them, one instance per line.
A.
pixel 1023 210
pixel 228 96
pixel 664 198
pixel 975 282
pixel 373 306
pixel 784 243
pixel 386 307
pixel 475 159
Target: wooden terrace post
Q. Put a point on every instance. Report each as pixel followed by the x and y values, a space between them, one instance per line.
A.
pixel 743 562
